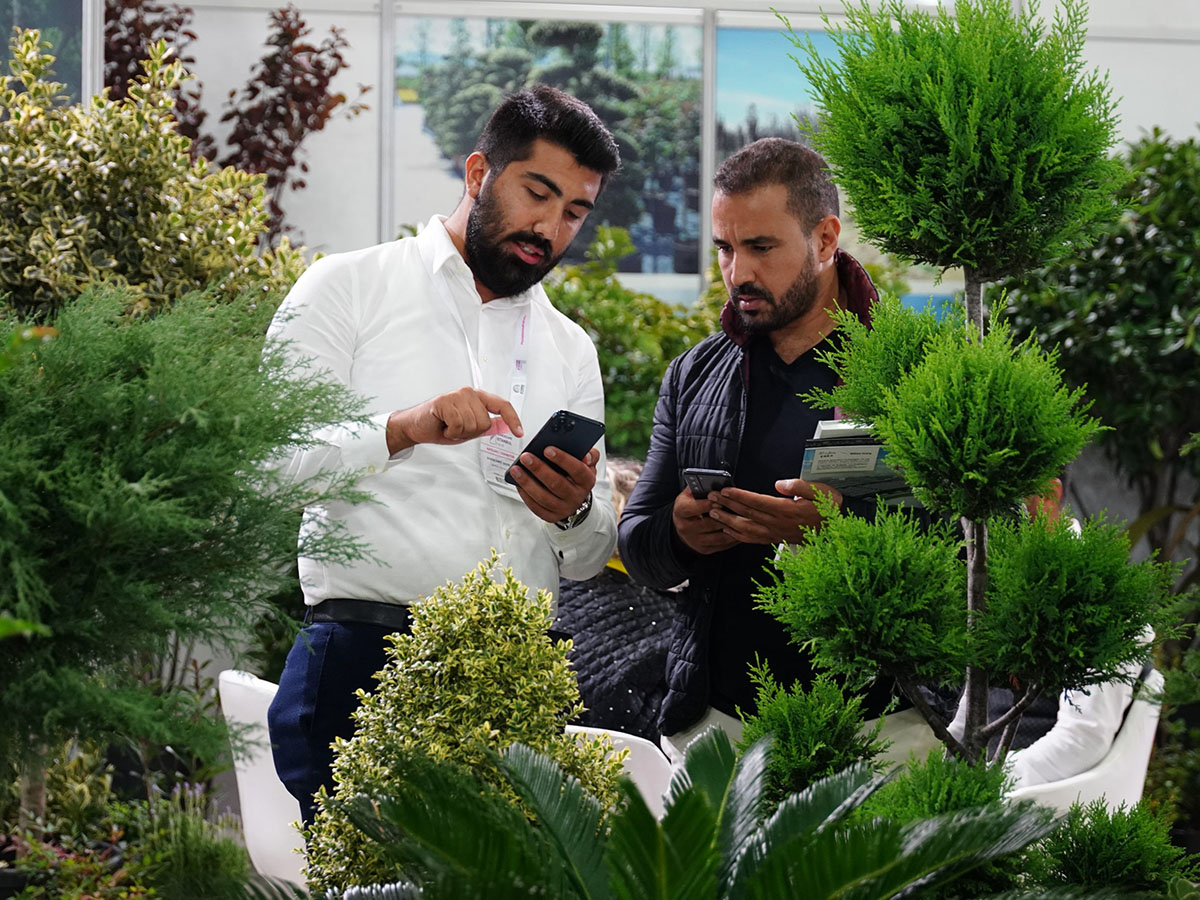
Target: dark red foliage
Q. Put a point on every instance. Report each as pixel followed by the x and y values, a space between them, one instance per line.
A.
pixel 130 27
pixel 286 99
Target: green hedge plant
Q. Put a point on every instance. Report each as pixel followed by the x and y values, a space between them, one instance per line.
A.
pixel 138 509
pixel 1102 848
pixel 477 673
pixel 815 732
pixel 108 191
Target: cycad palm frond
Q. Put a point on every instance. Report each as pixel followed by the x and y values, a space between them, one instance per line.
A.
pixel 456 836
pixel 570 817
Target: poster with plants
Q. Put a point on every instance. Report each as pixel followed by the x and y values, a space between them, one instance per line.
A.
pixel 642 79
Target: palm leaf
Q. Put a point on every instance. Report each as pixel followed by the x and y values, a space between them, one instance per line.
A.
pixel 456 835
pixel 940 849
pixel 707 767
pixel 675 858
pixel 570 817
pixel 800 816
pixel 880 859
pixel 743 811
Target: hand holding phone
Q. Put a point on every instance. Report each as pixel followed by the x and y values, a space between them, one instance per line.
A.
pixel 702 482
pixel 569 432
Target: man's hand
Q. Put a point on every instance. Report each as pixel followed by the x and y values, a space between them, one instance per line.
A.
pixel 750 518
pixel 695 528
pixel 450 419
pixel 551 496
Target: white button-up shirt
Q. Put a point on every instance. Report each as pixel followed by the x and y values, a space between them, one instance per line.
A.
pixel 375 321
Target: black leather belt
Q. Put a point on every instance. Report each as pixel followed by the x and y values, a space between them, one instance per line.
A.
pixel 373 612
pixel 361 612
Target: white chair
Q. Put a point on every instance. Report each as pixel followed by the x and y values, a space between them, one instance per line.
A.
pixel 646 765
pixel 1120 776
pixel 269 812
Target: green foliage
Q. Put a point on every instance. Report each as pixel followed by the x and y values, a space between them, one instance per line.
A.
pixel 1125 314
pixel 78 873
pixel 871 361
pixel 936 786
pixel 1068 610
pixel 462 840
pixel 941 785
pixel 1125 848
pixel 135 506
pixel 476 673
pixel 976 425
pixel 814 733
pixel 636 336
pixel 983 423
pixel 189 857
pixel 969 138
pixel 1124 317
pixel 108 191
pixel 874 598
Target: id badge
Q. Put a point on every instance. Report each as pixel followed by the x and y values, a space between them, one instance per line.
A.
pixel 497 453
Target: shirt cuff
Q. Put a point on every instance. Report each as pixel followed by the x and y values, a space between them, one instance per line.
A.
pixel 364 447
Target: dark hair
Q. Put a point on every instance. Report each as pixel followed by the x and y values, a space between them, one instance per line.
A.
pixel 545 112
pixel 811 194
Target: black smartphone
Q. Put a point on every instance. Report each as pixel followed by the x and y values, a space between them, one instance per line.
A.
pixel 704 481
pixel 569 432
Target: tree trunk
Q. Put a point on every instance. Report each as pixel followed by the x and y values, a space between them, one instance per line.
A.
pixel 976 691
pixel 974 299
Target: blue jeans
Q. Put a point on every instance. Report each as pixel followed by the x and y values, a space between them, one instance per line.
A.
pixel 328 662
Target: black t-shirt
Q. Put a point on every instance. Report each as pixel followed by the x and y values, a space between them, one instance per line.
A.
pixel 778 425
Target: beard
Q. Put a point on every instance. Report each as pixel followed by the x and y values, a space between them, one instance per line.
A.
pixel 498 269
pixel 796 301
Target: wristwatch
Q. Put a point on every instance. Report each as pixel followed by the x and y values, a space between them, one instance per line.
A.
pixel 578 516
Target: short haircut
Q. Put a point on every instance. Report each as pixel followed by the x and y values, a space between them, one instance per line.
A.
pixel 545 112
pixel 768 161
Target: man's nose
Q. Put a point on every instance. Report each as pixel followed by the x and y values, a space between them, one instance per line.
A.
pixel 547 225
pixel 740 270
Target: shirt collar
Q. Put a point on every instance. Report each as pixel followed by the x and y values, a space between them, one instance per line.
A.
pixel 436 247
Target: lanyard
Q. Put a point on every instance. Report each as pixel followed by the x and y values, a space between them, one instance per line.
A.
pixel 498 449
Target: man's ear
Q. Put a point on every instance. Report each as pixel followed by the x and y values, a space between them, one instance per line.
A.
pixel 476 169
pixel 825 237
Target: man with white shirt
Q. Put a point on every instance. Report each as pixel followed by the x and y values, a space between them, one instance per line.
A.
pixel 452 339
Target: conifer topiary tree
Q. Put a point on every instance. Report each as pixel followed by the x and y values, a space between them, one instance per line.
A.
pixel 976 424
pixel 974 139
pixel 477 673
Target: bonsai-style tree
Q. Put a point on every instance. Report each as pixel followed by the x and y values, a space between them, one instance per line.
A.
pixel 971 139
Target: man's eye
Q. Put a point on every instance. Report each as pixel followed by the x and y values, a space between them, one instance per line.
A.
pixel 572 216
pixel 536 195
